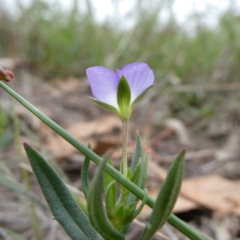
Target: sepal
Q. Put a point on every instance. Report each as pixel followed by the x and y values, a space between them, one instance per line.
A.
pixel 105 105
pixel 124 99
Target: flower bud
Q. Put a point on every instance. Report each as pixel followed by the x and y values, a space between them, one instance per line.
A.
pixel 6 75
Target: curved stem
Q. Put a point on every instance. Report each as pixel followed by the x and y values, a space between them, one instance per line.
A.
pixel 173 220
pixel 124 147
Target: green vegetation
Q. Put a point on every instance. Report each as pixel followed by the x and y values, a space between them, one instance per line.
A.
pixel 55 42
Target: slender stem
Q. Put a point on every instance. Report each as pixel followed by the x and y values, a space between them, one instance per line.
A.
pixel 124 147
pixel 173 220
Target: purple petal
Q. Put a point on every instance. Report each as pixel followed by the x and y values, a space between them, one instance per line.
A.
pixel 139 77
pixel 103 83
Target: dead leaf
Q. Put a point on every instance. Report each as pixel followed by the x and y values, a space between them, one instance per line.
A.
pixel 213 192
pixel 85 132
pixel 210 191
pixel 181 205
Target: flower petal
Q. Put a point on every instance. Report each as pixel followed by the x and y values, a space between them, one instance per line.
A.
pixel 103 83
pixel 139 77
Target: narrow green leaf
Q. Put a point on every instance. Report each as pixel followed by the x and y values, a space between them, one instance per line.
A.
pixel 63 206
pixel 119 211
pixel 143 175
pixel 96 211
pixel 138 210
pixel 166 198
pixel 111 192
pixel 125 228
pixel 107 179
pixel 141 179
pixel 124 98
pixel 134 177
pixel 137 153
pixel 84 174
pixel 136 173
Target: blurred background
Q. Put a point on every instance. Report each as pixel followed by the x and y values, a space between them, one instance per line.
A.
pixel 193 48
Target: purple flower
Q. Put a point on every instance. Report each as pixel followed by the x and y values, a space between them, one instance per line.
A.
pixel 104 83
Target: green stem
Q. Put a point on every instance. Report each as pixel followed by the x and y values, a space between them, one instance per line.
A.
pixel 173 220
pixel 124 148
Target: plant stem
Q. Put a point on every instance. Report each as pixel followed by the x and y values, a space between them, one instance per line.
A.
pixel 124 147
pixel 173 220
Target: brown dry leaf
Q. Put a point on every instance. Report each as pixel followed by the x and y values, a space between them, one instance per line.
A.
pixel 213 192
pixel 85 132
pixel 181 205
pixel 98 126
